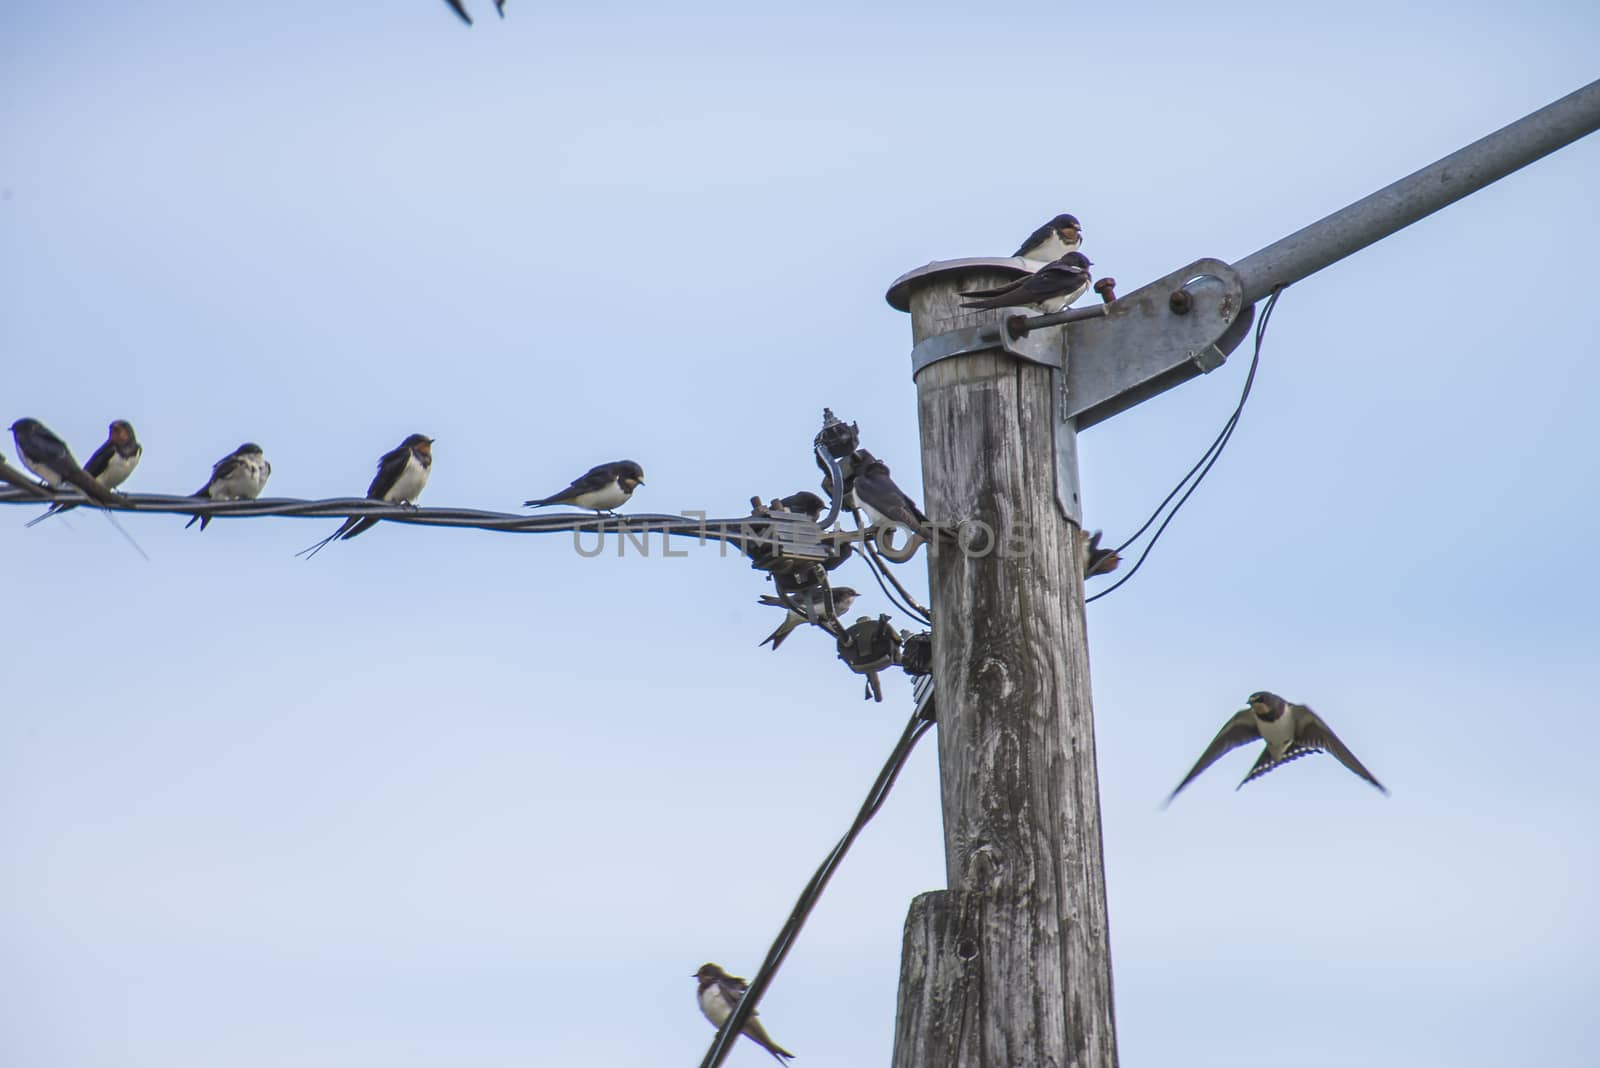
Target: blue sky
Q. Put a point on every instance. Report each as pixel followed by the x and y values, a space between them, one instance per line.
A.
pixel 458 797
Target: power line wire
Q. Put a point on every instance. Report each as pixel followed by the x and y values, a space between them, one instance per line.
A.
pixel 922 719
pixel 1207 461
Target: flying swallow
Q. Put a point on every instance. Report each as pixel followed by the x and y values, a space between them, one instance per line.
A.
pixel 459 9
pixel 238 476
pixel 843 598
pixel 1050 288
pixel 719 994
pixel 1098 561
pixel 1053 240
pixel 885 502
pixel 402 472
pixel 1291 731
pixel 21 481
pixel 110 465
pixel 48 457
pixel 601 488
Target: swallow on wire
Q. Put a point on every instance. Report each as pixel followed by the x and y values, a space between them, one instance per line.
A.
pixel 1098 561
pixel 719 994
pixel 460 9
pixel 1053 240
pixel 48 457
pixel 16 478
pixel 1291 731
pixel 110 465
pixel 843 598
pixel 1050 288
pixel 602 488
pixel 885 502
pixel 239 476
pixel 402 472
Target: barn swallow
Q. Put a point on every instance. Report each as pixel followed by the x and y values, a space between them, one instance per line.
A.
pixel 456 6
pixel 1291 731
pixel 1050 288
pixel 805 503
pixel 719 994
pixel 1053 240
pixel 238 476
pixel 402 472
pixel 1098 561
pixel 885 502
pixel 843 598
pixel 601 488
pixel 110 465
pixel 48 457
pixel 21 481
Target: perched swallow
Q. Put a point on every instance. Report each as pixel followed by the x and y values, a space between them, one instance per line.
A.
pixel 110 465
pixel 21 481
pixel 48 457
pixel 238 476
pixel 402 472
pixel 456 6
pixel 805 503
pixel 843 598
pixel 720 994
pixel 1050 288
pixel 1291 731
pixel 885 502
pixel 601 488
pixel 1098 561
pixel 1053 240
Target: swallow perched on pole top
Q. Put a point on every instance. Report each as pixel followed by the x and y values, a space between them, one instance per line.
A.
pixel 1291 731
pixel 843 598
pixel 1049 289
pixel 1053 240
pixel 602 488
pixel 110 465
pixel 239 476
pixel 48 457
pixel 720 994
pixel 402 473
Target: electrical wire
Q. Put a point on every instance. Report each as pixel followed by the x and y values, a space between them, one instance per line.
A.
pixel 909 604
pixel 921 720
pixel 1205 464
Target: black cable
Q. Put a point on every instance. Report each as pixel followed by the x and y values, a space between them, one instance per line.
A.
pixel 1207 461
pixel 912 606
pixel 921 721
pixel 876 569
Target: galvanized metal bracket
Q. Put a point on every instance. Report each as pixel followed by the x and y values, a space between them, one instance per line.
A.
pixel 1154 338
pixel 1041 347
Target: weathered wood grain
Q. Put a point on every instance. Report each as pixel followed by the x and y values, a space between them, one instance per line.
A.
pixel 1016 732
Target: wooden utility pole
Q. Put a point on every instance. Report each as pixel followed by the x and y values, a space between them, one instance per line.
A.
pixel 1011 966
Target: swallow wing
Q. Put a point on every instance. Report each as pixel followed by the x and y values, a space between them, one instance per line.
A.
pixel 390 467
pixel 595 478
pixel 100 460
pixel 1034 238
pixel 998 291
pixel 1240 730
pixel 1316 734
pixel 455 5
